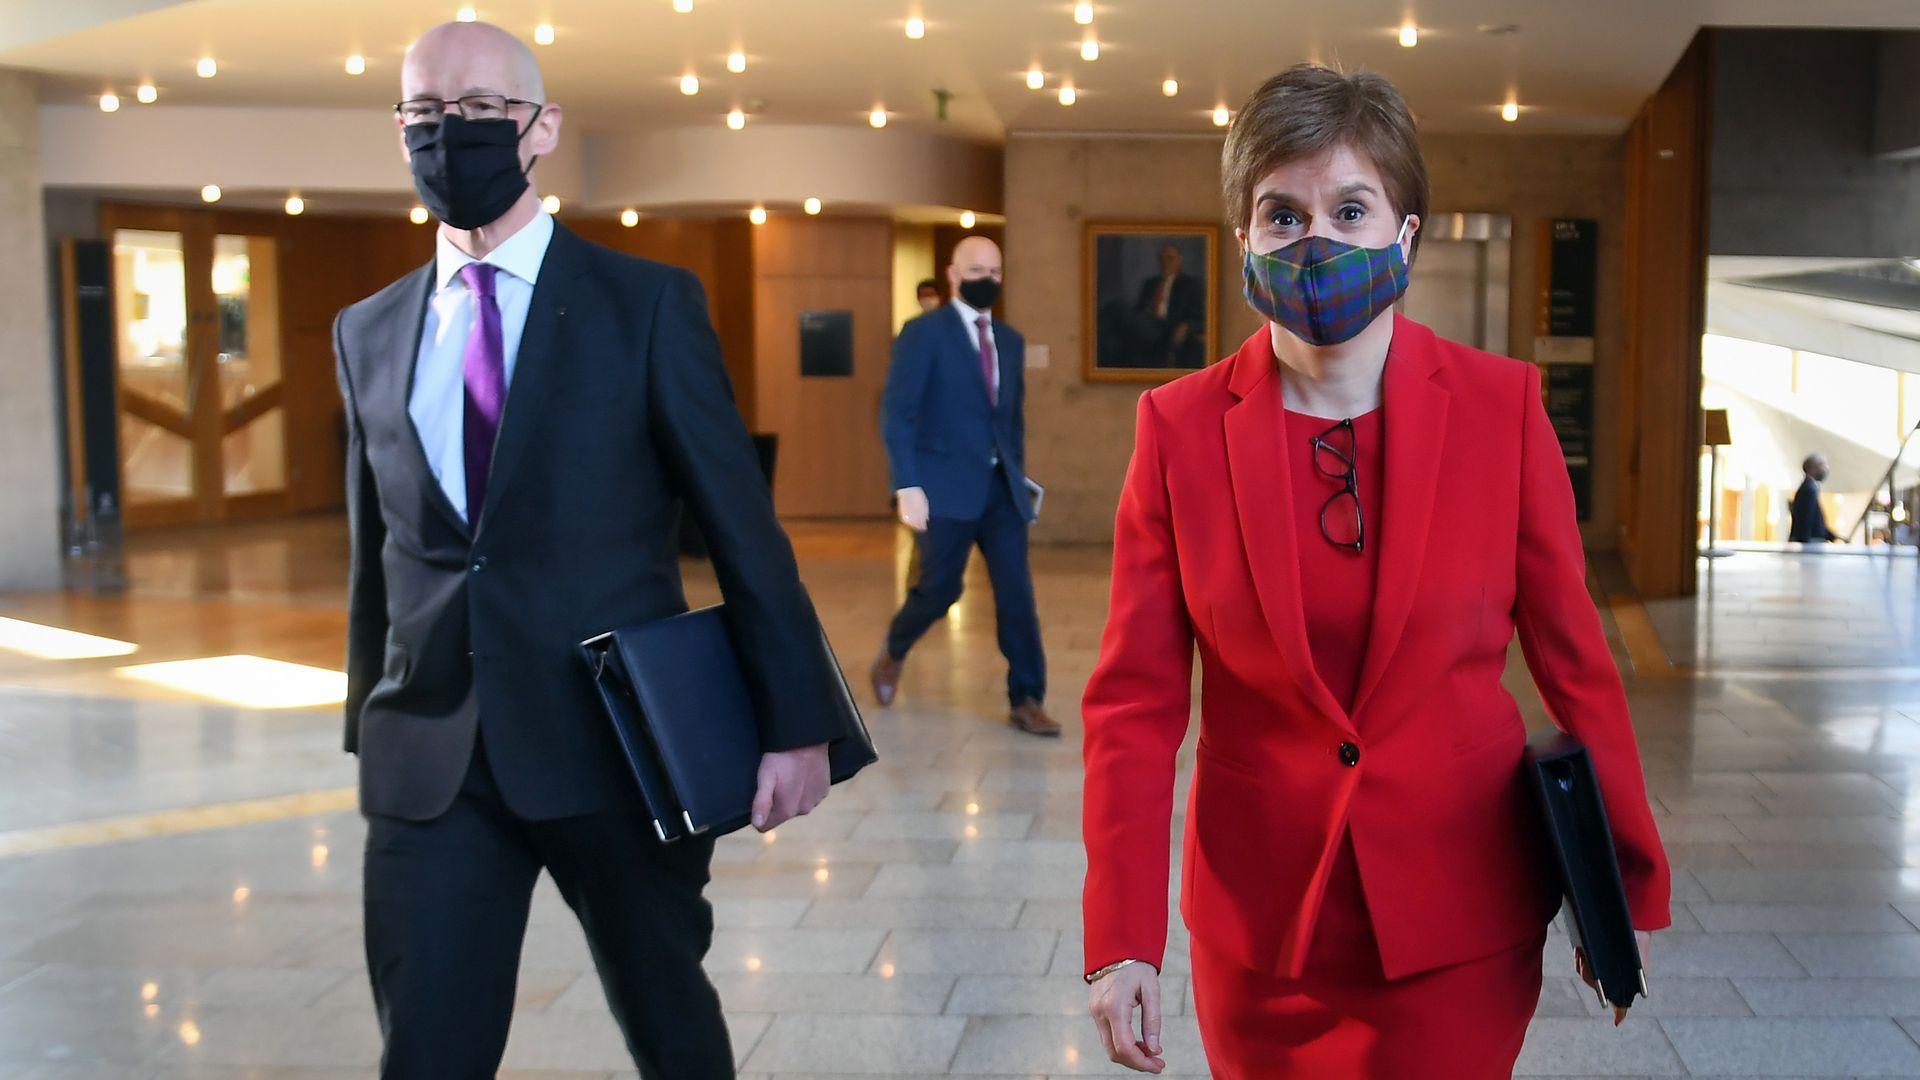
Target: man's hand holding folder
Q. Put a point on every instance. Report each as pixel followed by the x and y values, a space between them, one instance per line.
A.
pixel 791 784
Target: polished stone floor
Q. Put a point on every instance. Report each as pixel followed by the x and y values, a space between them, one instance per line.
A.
pixel 179 878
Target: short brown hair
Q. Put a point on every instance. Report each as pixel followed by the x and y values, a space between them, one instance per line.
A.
pixel 1309 108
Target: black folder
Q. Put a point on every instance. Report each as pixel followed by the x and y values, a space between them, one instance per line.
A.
pixel 677 697
pixel 1581 845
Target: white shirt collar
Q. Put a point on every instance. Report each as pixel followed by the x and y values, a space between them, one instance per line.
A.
pixel 969 314
pixel 520 256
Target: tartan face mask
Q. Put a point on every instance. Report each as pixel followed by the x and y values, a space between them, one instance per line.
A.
pixel 1323 290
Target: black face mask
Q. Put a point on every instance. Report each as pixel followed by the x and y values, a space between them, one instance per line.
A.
pixel 980 293
pixel 468 172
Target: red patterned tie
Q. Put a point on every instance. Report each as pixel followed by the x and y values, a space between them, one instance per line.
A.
pixel 986 359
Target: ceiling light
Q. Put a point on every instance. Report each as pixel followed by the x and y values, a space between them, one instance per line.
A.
pixel 1409 36
pixel 53 643
pixel 1036 78
pixel 1090 49
pixel 356 64
pixel 757 215
pixel 147 94
pixel 811 206
pixel 551 204
pixel 1083 13
pixel 683 6
pixel 206 68
pixel 1067 96
pixel 1221 117
pixel 689 84
pixel 629 218
pixel 736 61
pixel 417 215
pixel 109 102
pixel 296 206
pixel 878 117
pixel 736 119
pixel 916 28
pixel 1510 112
pixel 967 219
pixel 210 193
pixel 543 34
pixel 466 14
pixel 1170 88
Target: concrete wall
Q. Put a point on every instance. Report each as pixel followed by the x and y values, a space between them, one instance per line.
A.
pixel 1793 170
pixel 1080 434
pixel 29 462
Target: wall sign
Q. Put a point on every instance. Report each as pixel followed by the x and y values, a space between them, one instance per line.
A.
pixel 1563 343
pixel 826 344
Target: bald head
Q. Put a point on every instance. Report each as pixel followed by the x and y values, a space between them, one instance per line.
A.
pixel 975 259
pixel 976 252
pixel 459 58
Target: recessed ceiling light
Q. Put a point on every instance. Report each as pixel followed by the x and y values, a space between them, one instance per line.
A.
pixel 1090 49
pixel 629 218
pixel 916 28
pixel 1221 117
pixel 757 215
pixel 543 34
pixel 1067 95
pixel 878 117
pixel 418 215
pixel 1170 88
pixel 551 204
pixel 466 14
pixel 206 68
pixel 109 102
pixel 683 6
pixel 1036 78
pixel 210 193
pixel 736 119
pixel 1083 13
pixel 147 94
pixel 811 206
pixel 967 219
pixel 356 64
pixel 1510 112
pixel 1409 36
pixel 689 84
pixel 736 61
pixel 296 206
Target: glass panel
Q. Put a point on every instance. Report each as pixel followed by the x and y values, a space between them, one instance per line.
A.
pixel 254 457
pixel 150 307
pixel 159 464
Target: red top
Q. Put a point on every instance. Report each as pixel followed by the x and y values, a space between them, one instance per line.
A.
pixel 1336 583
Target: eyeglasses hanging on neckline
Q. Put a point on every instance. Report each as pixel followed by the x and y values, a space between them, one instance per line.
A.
pixel 1334 454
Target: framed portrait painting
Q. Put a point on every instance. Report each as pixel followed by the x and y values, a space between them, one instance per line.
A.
pixel 1151 301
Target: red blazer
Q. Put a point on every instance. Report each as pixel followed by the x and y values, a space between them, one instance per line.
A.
pixel 1479 539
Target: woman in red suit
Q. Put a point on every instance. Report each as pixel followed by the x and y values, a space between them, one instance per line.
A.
pixel 1351 518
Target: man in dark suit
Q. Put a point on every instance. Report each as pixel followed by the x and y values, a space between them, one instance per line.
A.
pixel 1176 303
pixel 1807 521
pixel 954 424
pixel 527 415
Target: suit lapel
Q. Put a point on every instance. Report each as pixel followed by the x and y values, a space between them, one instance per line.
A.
pixel 968 338
pixel 533 367
pixel 395 348
pixel 1009 369
pixel 1258 463
pixel 1416 425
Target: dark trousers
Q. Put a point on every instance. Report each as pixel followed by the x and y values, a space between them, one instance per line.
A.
pixel 1001 535
pixel 446 912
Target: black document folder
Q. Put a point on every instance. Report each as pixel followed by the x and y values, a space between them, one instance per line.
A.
pixel 677 697
pixel 1575 823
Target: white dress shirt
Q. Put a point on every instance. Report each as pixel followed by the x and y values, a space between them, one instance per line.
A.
pixel 971 318
pixel 438 402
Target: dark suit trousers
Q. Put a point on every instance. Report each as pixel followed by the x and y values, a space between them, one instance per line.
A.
pixel 446 912
pixel 1001 535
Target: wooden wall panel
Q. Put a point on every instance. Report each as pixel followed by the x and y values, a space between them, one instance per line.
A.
pixel 1665 300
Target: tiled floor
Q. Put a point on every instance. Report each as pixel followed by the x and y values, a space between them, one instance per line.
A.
pixel 926 920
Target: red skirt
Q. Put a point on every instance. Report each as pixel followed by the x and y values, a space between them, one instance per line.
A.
pixel 1343 1018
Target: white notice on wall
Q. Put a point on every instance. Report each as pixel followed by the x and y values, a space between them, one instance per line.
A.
pixel 1038 356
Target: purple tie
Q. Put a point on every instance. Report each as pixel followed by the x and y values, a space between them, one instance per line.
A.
pixel 986 360
pixel 486 378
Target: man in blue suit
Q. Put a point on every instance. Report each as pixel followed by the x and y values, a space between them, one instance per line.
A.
pixel 954 424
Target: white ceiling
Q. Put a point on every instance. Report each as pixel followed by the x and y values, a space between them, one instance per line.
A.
pixel 1574 65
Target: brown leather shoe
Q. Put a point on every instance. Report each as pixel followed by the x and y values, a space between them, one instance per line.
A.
pixel 886 677
pixel 1029 717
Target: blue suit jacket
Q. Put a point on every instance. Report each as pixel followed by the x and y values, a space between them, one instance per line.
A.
pixel 941 429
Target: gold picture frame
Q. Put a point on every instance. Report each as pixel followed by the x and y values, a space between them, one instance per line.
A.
pixel 1144 322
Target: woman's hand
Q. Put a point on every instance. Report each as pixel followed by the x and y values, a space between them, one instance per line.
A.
pixel 1113 1000
pixel 1645 937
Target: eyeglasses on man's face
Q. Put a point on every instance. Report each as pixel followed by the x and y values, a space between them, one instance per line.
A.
pixel 430 110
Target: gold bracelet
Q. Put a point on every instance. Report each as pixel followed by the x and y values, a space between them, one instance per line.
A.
pixel 1108 970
